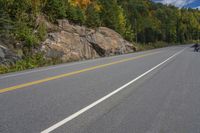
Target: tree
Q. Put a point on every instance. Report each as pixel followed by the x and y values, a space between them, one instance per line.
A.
pixel 92 17
pixel 75 14
pixel 55 9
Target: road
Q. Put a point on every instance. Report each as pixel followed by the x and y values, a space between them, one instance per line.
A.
pixel 156 91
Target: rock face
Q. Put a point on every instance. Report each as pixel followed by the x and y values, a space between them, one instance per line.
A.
pixel 73 42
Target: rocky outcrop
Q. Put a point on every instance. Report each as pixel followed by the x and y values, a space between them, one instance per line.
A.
pixel 7 54
pixel 66 42
pixel 7 57
pixel 73 42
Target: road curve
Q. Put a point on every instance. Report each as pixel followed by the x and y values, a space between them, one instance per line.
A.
pixel 155 91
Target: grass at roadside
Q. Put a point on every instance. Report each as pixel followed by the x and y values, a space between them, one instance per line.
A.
pixel 28 63
pixel 143 47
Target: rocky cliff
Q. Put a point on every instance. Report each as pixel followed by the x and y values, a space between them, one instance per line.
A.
pixel 73 42
pixel 67 42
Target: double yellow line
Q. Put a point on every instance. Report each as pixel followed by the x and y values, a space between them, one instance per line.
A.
pixel 3 90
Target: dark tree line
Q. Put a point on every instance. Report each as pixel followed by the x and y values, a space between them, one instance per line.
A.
pixel 157 22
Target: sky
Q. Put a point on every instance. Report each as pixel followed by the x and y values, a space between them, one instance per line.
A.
pixel 181 3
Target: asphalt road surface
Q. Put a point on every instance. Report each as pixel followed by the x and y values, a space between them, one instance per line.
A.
pixel 156 91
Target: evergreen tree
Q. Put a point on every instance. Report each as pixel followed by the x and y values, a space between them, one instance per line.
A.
pixel 55 9
pixel 75 14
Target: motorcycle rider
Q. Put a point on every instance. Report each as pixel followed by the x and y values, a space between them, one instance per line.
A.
pixel 196 47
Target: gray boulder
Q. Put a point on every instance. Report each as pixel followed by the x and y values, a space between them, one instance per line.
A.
pixel 7 57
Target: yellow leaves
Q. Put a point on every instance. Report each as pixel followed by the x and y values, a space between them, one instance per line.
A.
pixel 97 7
pixel 84 4
pixel 73 2
pixel 121 19
pixel 80 3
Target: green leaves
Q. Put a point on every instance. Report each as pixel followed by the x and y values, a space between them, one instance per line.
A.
pixel 25 33
pixel 29 62
pixel 55 9
pixel 92 17
pixel 139 20
pixel 75 14
pixel 156 22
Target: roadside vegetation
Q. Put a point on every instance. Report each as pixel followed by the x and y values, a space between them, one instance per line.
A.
pixel 29 62
pixel 143 22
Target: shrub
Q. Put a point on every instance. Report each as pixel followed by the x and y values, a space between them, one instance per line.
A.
pixel 42 31
pixel 75 14
pixel 92 17
pixel 25 33
pixel 33 61
pixel 55 9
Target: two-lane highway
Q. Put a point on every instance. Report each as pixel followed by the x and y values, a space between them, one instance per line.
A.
pixel 156 91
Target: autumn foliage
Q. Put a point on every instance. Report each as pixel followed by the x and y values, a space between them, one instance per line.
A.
pixel 136 20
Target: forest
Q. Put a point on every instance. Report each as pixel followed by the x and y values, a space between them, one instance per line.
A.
pixel 140 21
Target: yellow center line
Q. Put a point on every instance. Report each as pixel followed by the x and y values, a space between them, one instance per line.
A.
pixel 3 90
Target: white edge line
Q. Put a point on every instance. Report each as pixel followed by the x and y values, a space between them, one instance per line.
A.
pixel 41 69
pixel 71 117
pixel 61 66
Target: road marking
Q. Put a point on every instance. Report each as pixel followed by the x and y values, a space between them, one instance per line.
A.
pixel 41 69
pixel 3 90
pixel 33 71
pixel 71 117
